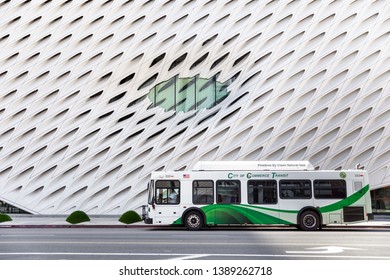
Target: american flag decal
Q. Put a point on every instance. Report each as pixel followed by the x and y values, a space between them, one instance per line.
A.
pixel 186 176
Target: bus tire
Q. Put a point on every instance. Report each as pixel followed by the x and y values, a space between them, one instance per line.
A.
pixel 193 220
pixel 309 220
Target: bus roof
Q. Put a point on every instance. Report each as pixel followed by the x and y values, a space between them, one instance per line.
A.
pixel 252 165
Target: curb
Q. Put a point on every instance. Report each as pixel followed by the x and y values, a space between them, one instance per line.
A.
pixel 358 226
pixel 74 226
pixel 178 227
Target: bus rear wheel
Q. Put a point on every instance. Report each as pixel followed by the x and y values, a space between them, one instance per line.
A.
pixel 193 220
pixel 309 220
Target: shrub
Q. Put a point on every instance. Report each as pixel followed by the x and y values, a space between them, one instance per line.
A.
pixel 78 217
pixel 130 217
pixel 4 218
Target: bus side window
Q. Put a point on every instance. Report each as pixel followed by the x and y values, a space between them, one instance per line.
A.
pixel 203 192
pixel 262 192
pixel 330 189
pixel 295 189
pixel 228 191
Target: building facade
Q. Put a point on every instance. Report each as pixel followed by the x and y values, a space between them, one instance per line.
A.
pixel 95 95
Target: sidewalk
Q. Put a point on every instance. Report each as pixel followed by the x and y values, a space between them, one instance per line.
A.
pixel 60 221
pixel 379 221
pixel 111 221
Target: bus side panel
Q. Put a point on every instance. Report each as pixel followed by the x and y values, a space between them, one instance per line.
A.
pixel 167 214
pixel 289 209
pixel 217 214
pixel 329 217
pixel 241 214
pixel 333 217
pixel 353 208
pixel 263 214
pixel 288 218
pixel 356 211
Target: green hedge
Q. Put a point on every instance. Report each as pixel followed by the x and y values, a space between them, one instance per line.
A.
pixel 130 217
pixel 78 217
pixel 4 218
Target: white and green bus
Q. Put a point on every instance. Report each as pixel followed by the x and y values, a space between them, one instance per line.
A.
pixel 258 193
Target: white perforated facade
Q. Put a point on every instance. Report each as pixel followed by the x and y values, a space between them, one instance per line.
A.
pixel 310 81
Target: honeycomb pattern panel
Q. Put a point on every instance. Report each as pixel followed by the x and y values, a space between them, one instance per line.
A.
pixel 307 80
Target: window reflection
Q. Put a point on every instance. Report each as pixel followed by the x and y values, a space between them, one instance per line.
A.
pixel 186 94
pixel 10 209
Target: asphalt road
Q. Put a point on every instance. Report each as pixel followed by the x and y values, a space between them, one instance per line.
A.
pixel 214 244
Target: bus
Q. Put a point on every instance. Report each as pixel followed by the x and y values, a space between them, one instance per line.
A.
pixel 258 193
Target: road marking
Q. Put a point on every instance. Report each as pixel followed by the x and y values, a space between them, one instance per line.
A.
pixel 324 250
pixel 27 235
pixel 181 243
pixel 197 236
pixel 194 255
pixel 190 257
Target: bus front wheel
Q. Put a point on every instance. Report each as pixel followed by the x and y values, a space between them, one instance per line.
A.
pixel 193 220
pixel 309 220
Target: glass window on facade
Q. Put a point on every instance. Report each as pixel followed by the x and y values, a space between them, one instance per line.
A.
pixel 10 209
pixel 167 192
pixel 330 189
pixel 228 192
pixel 203 192
pixel 206 93
pixel 295 189
pixel 220 91
pixel 381 200
pixel 262 192
pixel 186 94
pixel 161 95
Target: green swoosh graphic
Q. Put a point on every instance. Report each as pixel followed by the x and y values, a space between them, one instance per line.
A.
pixel 237 214
pixel 251 214
pixel 345 202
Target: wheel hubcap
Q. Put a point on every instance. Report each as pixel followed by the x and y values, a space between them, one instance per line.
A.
pixel 310 220
pixel 193 221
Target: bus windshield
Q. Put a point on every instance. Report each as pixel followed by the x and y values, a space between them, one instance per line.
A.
pixel 151 192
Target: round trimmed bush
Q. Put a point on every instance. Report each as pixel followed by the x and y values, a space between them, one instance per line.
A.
pixel 78 217
pixel 130 217
pixel 4 218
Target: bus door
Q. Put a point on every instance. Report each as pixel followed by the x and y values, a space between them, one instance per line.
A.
pixel 167 200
